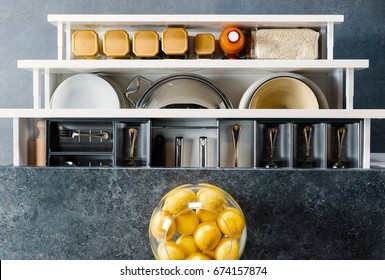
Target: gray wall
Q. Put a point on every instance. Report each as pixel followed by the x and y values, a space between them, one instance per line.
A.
pixel 25 34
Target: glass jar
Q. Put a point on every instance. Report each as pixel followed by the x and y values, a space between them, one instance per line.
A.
pixel 197 222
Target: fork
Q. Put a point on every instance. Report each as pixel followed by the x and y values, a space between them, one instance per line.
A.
pixel 63 132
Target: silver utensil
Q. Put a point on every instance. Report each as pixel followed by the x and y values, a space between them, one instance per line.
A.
pixel 132 135
pixel 72 133
pixel 202 151
pixel 235 131
pixel 340 141
pixel 272 132
pixel 179 151
pixel 308 162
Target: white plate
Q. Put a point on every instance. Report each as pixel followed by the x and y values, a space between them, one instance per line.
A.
pixel 245 100
pixel 85 91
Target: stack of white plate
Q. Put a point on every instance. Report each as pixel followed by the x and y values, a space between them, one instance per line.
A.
pixel 283 91
pixel 88 91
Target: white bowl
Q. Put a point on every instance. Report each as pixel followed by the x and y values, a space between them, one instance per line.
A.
pixel 284 93
pixel 247 96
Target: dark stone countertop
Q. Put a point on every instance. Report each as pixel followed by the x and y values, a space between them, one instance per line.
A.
pixel 80 213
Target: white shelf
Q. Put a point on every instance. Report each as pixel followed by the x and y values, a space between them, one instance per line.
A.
pixel 195 20
pixel 193 113
pixel 195 65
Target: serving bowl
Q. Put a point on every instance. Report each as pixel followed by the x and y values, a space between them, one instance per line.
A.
pixel 197 222
pixel 285 90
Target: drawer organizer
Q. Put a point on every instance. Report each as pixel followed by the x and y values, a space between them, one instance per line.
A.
pixel 227 143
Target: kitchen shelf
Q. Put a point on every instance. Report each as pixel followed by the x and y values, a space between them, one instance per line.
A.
pixel 194 20
pixel 194 23
pixel 192 65
pixel 194 113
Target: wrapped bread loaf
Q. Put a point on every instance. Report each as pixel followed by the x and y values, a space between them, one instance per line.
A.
pixel 286 44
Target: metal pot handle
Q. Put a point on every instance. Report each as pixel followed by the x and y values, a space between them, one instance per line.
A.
pixel 134 86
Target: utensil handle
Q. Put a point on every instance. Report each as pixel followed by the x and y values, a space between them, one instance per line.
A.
pixel 307 130
pixel 235 134
pixel 159 151
pixel 103 135
pixel 202 151
pixel 272 132
pixel 179 151
pixel 340 139
pixel 134 86
pixel 40 144
pixel 132 135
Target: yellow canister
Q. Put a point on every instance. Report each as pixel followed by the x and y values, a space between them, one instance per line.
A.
pixel 116 43
pixel 85 43
pixel 204 44
pixel 175 41
pixel 145 43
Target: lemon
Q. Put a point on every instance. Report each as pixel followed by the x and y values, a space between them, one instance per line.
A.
pixel 178 200
pixel 206 215
pixel 187 222
pixel 187 243
pixel 231 222
pixel 227 249
pixel 210 254
pixel 211 198
pixel 161 223
pixel 169 250
pixel 197 256
pixel 207 235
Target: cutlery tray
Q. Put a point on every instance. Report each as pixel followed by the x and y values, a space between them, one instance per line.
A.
pixel 96 143
pixel 154 143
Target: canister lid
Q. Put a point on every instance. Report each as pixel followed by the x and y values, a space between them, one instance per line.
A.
pixel 85 43
pixel 204 44
pixel 145 43
pixel 116 43
pixel 175 41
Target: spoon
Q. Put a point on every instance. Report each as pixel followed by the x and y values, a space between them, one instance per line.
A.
pixel 235 130
pixel 308 162
pixel 132 135
pixel 340 138
pixel 272 132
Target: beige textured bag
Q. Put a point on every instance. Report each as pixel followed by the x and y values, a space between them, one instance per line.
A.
pixel 286 44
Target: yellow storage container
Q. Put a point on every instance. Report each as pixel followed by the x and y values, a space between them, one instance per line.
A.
pixel 145 43
pixel 116 43
pixel 85 43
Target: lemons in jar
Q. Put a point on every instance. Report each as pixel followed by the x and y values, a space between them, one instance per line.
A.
pixel 187 243
pixel 211 198
pixel 187 222
pixel 231 222
pixel 227 249
pixel 162 225
pixel 198 256
pixel 207 235
pixel 178 200
pixel 169 250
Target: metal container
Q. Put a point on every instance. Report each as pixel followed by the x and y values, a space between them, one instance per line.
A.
pixel 179 91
